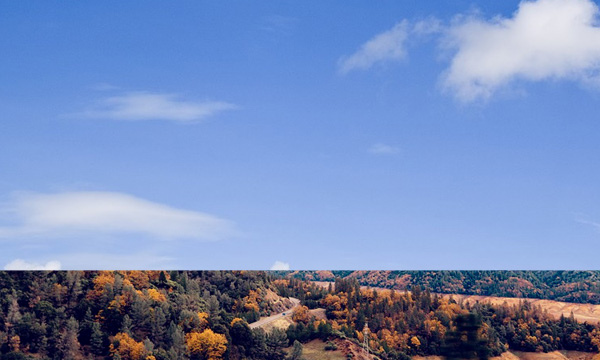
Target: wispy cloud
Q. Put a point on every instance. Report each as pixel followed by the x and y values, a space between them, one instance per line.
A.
pixel 383 149
pixel 69 214
pixel 387 46
pixel 545 39
pixel 428 26
pixel 278 24
pixel 137 106
pixel 593 224
pixel 112 261
pixel 19 264
pixel 542 40
pixel 280 265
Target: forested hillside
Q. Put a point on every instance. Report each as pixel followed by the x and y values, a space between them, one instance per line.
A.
pixel 422 323
pixel 134 315
pixel 205 315
pixel 570 286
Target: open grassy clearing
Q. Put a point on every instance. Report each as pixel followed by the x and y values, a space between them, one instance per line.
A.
pixel 315 350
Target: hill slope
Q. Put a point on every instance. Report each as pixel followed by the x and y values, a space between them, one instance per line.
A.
pixel 568 286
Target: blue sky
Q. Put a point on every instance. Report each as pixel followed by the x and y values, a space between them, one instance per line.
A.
pixel 320 135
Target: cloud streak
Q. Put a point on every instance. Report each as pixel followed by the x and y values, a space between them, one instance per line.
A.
pixel 383 149
pixel 138 106
pixel 20 264
pixel 545 39
pixel 594 224
pixel 387 46
pixel 70 214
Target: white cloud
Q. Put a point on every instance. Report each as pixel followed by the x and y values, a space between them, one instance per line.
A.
pixel 383 149
pixel 386 46
pixel 71 214
pixel 19 264
pixel 545 39
pixel 428 26
pixel 137 106
pixel 280 265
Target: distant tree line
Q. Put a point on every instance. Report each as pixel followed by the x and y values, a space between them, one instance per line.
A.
pixel 569 286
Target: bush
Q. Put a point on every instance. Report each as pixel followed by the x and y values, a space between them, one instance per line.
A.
pixel 330 346
pixel 15 356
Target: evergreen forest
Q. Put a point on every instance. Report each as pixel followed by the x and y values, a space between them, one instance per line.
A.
pixel 207 315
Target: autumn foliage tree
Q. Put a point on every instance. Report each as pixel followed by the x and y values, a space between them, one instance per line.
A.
pixel 418 322
pixel 135 315
pixel 206 345
pixel 142 314
pixel 127 348
pixel 301 315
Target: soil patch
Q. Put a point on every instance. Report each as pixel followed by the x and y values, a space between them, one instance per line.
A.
pixel 319 314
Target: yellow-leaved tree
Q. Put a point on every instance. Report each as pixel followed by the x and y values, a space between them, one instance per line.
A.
pixel 206 345
pixel 203 316
pixel 156 295
pixel 301 315
pixel 415 341
pixel 127 348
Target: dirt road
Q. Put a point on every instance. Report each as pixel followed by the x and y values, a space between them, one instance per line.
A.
pixel 269 319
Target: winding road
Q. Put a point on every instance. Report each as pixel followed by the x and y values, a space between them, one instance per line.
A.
pixel 269 319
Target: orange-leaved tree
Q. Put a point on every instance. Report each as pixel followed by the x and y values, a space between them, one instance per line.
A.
pixel 156 295
pixel 301 315
pixel 206 345
pixel 127 348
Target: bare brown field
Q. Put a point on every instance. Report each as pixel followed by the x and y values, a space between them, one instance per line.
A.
pixel 504 356
pixel 315 350
pixel 282 324
pixel 348 347
pixel 519 355
pixel 319 313
pixel 555 355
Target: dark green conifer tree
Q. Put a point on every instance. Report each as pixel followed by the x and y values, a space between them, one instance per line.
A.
pixel 98 342
pixel 296 353
pixel 464 342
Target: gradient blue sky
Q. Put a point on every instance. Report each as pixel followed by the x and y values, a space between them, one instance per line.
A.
pixel 314 135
